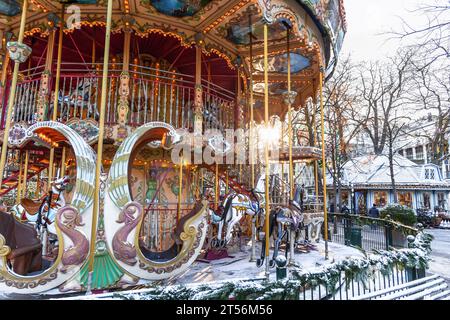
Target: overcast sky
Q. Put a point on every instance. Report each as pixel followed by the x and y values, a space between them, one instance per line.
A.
pixel 367 19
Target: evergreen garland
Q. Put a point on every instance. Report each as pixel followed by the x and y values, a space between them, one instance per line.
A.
pixel 358 269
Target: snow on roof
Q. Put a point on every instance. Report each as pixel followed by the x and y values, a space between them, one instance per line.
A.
pixel 374 170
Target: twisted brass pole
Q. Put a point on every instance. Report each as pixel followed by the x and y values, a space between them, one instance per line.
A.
pixel 100 142
pixel 12 94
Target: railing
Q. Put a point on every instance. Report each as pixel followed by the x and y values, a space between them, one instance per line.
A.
pixel 159 224
pixel 368 233
pixel 153 95
pixel 350 286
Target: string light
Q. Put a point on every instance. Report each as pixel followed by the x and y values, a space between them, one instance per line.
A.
pixel 127 6
pixel 40 6
pixel 226 15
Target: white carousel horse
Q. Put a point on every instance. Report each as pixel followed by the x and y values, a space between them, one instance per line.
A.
pixel 32 212
pixel 236 206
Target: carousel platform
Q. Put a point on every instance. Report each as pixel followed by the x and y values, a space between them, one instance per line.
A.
pixel 237 267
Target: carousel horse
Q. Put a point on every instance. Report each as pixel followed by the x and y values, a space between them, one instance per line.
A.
pixel 80 97
pixel 30 211
pixel 26 249
pixel 236 206
pixel 285 223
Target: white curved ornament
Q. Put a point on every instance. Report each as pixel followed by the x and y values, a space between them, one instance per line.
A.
pixel 73 221
pixel 124 216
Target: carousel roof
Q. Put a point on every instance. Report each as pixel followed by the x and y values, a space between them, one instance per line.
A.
pixel 223 28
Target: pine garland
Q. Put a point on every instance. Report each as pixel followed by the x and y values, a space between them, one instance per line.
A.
pixel 358 269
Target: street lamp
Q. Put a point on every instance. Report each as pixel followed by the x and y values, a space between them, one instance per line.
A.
pixel 352 198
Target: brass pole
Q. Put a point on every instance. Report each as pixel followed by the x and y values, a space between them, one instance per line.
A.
pixel 290 138
pixel 63 162
pixel 19 179
pixel 25 175
pixel 38 186
pixel 226 183
pixel 316 167
pixel 100 139
pixel 266 145
pixel 251 142
pixel 216 192
pixel 323 165
pixel 5 69
pixel 12 94
pixel 180 185
pixel 282 163
pixel 51 173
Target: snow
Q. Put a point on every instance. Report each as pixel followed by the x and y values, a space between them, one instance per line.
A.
pixel 240 267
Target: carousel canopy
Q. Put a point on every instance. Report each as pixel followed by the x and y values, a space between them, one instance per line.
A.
pixel 221 27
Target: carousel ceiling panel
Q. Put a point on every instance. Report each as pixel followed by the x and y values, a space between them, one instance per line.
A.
pixel 278 63
pixel 330 14
pixel 237 30
pixel 178 8
pixel 9 7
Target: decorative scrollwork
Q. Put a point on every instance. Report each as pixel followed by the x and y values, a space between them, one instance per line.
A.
pixel 29 284
pixel 68 218
pixel 4 249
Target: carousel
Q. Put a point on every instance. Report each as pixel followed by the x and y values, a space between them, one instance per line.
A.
pixel 142 140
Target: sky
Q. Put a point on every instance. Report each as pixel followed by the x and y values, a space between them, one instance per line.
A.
pixel 368 19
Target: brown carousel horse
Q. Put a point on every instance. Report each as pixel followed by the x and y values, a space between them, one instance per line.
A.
pixel 26 248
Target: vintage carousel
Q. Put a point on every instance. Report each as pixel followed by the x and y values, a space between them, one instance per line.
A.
pixel 116 116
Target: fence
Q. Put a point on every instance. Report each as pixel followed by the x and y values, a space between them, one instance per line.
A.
pixel 368 233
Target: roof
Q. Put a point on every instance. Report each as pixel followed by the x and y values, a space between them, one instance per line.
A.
pixel 373 171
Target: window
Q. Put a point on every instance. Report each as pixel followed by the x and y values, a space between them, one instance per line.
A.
pixel 400 153
pixel 429 174
pixel 405 199
pixel 380 198
pixel 442 203
pixel 447 169
pixel 426 200
pixel 409 153
pixel 419 153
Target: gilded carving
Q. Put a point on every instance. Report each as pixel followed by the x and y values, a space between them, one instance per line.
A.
pixel 43 95
pixel 124 92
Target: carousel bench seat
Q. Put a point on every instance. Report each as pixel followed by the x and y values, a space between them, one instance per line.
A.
pixel 26 248
pixel 428 288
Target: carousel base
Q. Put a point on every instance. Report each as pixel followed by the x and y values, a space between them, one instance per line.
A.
pixel 308 258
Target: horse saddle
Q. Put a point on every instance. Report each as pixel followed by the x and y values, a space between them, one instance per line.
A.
pixel 32 207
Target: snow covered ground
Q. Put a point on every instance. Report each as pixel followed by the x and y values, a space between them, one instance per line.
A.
pixel 240 267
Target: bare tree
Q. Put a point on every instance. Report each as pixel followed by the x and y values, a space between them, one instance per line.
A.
pixel 385 105
pixel 340 103
pixel 384 89
pixel 433 95
pixel 433 37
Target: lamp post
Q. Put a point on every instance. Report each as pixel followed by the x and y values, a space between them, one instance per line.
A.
pixel 352 195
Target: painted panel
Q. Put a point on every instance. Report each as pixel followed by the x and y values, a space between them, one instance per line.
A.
pixel 178 8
